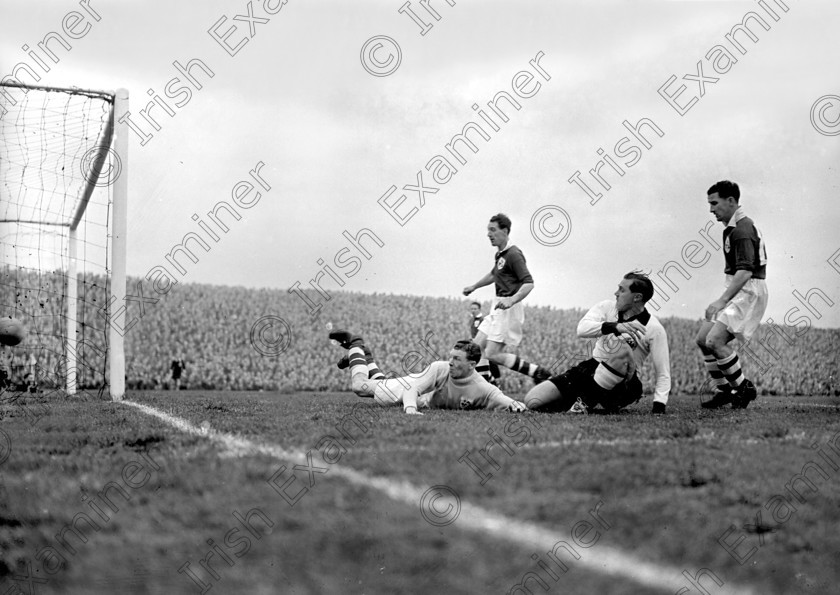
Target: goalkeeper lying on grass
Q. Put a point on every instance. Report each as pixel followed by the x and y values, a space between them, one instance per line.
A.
pixel 443 385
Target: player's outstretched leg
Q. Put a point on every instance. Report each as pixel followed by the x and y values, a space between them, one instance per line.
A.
pixel 357 361
pixel 374 373
pixel 614 382
pixel 517 364
pixel 547 397
pixel 346 339
pixel 492 353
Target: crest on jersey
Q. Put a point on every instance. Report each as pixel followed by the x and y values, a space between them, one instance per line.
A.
pixel 500 263
pixel 726 245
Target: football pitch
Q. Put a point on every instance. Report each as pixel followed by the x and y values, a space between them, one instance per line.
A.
pixel 198 492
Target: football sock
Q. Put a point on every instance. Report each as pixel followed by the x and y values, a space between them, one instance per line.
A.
pixel 515 363
pixel 710 361
pixel 606 377
pixel 374 373
pixel 483 369
pixel 494 371
pixel 730 367
pixel 358 363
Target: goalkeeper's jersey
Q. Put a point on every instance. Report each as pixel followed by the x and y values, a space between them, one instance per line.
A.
pixel 438 390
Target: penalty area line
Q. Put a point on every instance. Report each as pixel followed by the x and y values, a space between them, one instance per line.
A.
pixel 607 560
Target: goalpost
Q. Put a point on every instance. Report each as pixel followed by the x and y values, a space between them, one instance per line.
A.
pixel 63 222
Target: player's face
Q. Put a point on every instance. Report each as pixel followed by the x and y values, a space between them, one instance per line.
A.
pixel 474 309
pixel 722 208
pixel 624 298
pixel 459 365
pixel 498 236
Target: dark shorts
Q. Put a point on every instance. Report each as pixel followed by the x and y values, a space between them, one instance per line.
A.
pixel 579 381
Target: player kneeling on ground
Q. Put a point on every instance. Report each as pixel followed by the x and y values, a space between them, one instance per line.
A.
pixel 626 334
pixel 443 385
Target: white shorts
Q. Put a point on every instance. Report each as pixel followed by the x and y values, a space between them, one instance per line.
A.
pixel 743 313
pixel 389 393
pixel 504 326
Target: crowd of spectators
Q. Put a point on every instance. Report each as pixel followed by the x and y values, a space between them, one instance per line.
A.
pixel 212 328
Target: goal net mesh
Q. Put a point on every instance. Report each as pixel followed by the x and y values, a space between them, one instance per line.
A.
pixel 56 169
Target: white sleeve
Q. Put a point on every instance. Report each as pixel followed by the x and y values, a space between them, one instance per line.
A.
pixel 409 398
pixel 423 384
pixel 589 326
pixel 497 400
pixel 661 365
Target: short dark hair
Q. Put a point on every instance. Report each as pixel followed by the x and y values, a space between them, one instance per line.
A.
pixel 726 189
pixel 472 350
pixel 640 283
pixel 502 220
pixel 475 304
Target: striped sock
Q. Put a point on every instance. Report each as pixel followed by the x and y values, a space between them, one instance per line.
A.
pixel 483 369
pixel 494 371
pixel 517 364
pixel 374 373
pixel 710 361
pixel 730 367
pixel 606 377
pixel 358 365
pixel 523 367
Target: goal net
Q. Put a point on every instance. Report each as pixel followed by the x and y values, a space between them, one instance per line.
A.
pixel 62 237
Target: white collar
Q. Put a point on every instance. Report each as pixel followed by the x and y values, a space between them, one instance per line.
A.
pixel 736 217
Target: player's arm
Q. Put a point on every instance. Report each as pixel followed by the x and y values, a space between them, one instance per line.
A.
pixel 594 324
pixel 517 297
pixel 496 400
pixel 410 401
pixel 483 282
pixel 423 384
pixel 744 261
pixel 739 279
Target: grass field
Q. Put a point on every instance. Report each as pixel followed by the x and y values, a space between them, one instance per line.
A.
pixel 269 492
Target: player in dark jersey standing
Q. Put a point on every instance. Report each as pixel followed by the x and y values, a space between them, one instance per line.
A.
pixel 503 326
pixel 177 366
pixel 738 311
pixel 475 318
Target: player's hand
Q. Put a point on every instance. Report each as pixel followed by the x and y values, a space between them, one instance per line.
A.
pixel 517 407
pixel 412 411
pixel 469 289
pixel 628 339
pixel 634 329
pixel 504 303
pixel 715 307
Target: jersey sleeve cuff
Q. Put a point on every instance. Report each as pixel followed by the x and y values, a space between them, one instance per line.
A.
pixel 609 328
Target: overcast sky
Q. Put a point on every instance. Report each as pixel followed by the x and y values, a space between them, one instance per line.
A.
pixel 334 138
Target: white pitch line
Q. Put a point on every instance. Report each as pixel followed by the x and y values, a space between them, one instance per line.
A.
pixel 607 560
pixel 798 438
